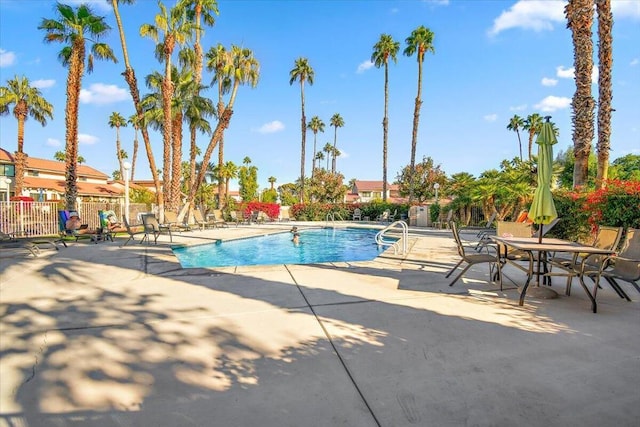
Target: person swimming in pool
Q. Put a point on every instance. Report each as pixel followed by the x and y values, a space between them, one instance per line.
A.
pixel 294 229
pixel 296 238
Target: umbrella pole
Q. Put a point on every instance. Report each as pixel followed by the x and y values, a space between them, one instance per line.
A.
pixel 541 292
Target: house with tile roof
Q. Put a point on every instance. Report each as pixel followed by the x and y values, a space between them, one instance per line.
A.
pixel 367 191
pixel 44 180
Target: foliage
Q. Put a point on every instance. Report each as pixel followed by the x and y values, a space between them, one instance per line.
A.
pixel 434 212
pixel 566 161
pixel 426 174
pixel 248 177
pixel 270 195
pixel 271 209
pixel 288 194
pixel 141 195
pixel 573 224
pixel 326 186
pixel 616 205
pixel 625 168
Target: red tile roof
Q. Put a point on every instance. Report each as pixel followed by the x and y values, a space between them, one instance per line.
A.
pixel 54 166
pixel 84 188
pixel 374 186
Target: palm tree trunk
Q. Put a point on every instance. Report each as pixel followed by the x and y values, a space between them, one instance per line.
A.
pixel 176 162
pixel 74 80
pixel 605 63
pixel 414 133
pixel 303 123
pixel 20 157
pixel 385 131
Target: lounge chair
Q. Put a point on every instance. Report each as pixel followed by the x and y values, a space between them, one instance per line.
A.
pixel 472 259
pixel 237 217
pixel 153 228
pixel 285 216
pixel 217 218
pixel 171 221
pixel 110 224
pixel 200 221
pixel 63 217
pixel 133 231
pixel 9 241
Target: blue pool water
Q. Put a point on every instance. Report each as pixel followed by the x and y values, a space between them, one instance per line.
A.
pixel 316 245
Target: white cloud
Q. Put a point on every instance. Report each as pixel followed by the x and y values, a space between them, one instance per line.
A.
pixel 553 103
pixel 491 117
pixel 565 73
pixel 52 142
pixel 43 84
pixel 634 62
pixel 518 107
pixel 536 15
pixel 546 81
pixel 83 138
pixel 99 93
pixel 7 58
pixel 95 5
pixel 343 154
pixel 626 9
pixel 594 74
pixel 364 66
pixel 438 2
pixel 271 127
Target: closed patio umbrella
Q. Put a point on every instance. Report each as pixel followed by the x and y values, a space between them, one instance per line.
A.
pixel 543 209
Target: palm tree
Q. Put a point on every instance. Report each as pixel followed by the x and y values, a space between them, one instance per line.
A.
pixel 337 122
pixel 515 124
pixel 219 61
pixel 272 180
pixel 171 27
pixel 386 48
pixel 228 172
pixel 116 120
pixel 320 157
pixel 316 125
pixel 328 148
pixel 73 28
pixel 419 42
pixel 532 124
pixel 133 121
pixel 302 72
pixel 242 68
pixel 605 61
pixel 27 102
pixel 130 77
pixel 61 156
pixel 579 15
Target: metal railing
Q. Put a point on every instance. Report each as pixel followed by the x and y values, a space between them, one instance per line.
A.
pixel 401 243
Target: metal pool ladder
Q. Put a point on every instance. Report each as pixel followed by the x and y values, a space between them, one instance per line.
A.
pixel 400 244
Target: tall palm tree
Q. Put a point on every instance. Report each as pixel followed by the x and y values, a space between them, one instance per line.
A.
pixel 532 124
pixel 319 157
pixel 316 125
pixel 242 68
pixel 515 124
pixel 386 48
pixel 116 120
pixel 302 72
pixel 73 28
pixel 27 102
pixel 419 42
pixel 219 61
pixel 605 63
pixel 170 28
pixel 337 122
pixel 134 122
pixel 272 180
pixel 328 148
pixel 130 77
pixel 579 15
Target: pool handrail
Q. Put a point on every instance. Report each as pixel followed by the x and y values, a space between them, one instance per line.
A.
pixel 396 244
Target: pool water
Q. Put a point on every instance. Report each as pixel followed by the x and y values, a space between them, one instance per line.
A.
pixel 316 245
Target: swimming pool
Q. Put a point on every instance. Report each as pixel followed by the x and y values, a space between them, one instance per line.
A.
pixel 316 245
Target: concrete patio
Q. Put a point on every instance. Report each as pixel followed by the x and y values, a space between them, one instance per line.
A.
pixel 104 335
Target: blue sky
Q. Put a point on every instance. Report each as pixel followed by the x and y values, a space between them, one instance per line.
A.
pixel 493 59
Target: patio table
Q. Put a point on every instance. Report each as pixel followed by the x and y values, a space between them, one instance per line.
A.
pixel 531 245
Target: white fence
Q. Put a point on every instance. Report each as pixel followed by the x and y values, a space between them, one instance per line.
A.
pixel 41 218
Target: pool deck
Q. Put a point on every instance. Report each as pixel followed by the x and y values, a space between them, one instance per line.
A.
pixel 105 335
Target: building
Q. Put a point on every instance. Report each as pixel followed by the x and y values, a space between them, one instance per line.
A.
pixel 44 180
pixel 367 191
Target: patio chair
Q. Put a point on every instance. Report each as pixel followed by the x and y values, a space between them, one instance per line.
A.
pixel 9 241
pixel 439 223
pixel 201 221
pixel 81 233
pixel 153 228
pixel 625 265
pixel 605 238
pixel 133 231
pixel 384 216
pixel 357 215
pixel 285 215
pixel 110 224
pixel 171 221
pixel 217 219
pixel 506 228
pixel 471 260
pixel 237 217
